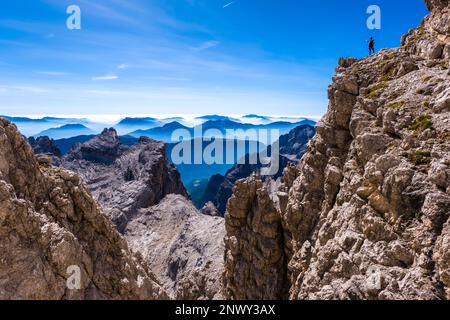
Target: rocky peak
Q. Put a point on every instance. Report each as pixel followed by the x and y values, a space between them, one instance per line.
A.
pixel 255 261
pixel 125 178
pixel 49 221
pixel 108 139
pixel 44 145
pixel 103 148
pixel 145 140
pixel 210 209
pixel 141 192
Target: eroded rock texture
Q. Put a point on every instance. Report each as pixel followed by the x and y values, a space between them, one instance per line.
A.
pixel 48 222
pixel 124 178
pixel 366 214
pixel 183 247
pixel 254 259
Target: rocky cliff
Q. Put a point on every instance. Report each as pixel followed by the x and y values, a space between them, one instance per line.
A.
pixel 49 223
pixel 366 213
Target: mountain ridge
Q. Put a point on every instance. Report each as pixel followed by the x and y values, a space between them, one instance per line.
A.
pixel 164 133
pixel 65 131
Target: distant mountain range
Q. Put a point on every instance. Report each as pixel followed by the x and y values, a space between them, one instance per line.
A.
pixel 132 124
pixel 204 181
pixel 191 171
pixel 40 120
pixel 165 132
pixel 34 127
pixel 215 117
pixel 219 188
pixel 66 131
pixel 65 145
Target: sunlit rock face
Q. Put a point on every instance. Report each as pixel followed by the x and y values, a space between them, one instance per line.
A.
pixel 366 213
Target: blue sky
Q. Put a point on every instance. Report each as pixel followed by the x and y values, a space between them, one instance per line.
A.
pixel 184 56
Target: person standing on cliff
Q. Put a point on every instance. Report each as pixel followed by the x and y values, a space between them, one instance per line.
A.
pixel 371 46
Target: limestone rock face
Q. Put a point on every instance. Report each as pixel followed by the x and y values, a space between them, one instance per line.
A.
pixel 432 39
pixel 182 246
pixel 366 214
pixel 102 149
pixel 49 222
pixel 254 258
pixel 124 178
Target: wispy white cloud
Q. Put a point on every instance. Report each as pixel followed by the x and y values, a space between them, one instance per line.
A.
pixel 142 15
pixel 207 45
pixel 28 89
pixel 170 78
pixel 31 89
pixel 157 52
pixel 229 4
pixel 103 92
pixel 53 73
pixel 41 28
pixel 105 78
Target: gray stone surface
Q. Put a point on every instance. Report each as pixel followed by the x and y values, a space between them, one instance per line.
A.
pixel 366 214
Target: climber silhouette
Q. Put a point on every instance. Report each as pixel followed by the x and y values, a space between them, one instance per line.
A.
pixel 371 46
